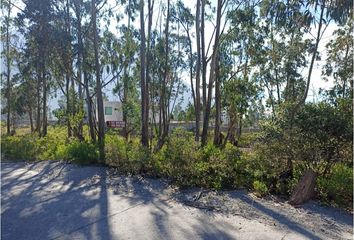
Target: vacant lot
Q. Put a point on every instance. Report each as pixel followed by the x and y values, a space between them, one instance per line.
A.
pixel 55 200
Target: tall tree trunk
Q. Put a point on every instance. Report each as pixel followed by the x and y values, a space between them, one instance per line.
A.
pixel 314 54
pixel 100 111
pixel 164 100
pixel 90 114
pixel 38 93
pixel 148 58
pixel 203 58
pixel 144 118
pixel 8 72
pixel 217 133
pixel 68 106
pixel 212 75
pixel 197 77
pixel 79 70
pixel 44 121
pixel 31 118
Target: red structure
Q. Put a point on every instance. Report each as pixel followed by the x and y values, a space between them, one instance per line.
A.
pixel 115 124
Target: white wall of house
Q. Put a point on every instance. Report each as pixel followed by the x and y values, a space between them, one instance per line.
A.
pixel 112 111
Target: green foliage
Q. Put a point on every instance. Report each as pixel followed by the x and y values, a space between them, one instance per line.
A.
pixel 128 157
pixel 54 146
pixel 19 148
pixel 246 140
pixel 320 134
pixel 178 155
pixel 260 188
pixel 319 138
pixel 337 187
pixel 186 163
pixel 82 152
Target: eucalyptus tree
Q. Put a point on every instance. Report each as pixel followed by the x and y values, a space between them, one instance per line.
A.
pixel 36 19
pixel 126 86
pixel 236 50
pixel 143 82
pixel 197 71
pixel 214 71
pixel 286 49
pixel 8 52
pixel 99 95
pixel 321 13
pixel 186 19
pixel 339 62
pixel 27 84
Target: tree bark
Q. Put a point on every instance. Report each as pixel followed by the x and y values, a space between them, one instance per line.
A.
pixel 8 73
pixel 144 117
pixel 31 118
pixel 164 100
pixel 44 121
pixel 100 111
pixel 68 107
pixel 212 75
pixel 79 64
pixel 305 189
pixel 197 77
pixel 38 117
pixel 203 59
pixel 217 133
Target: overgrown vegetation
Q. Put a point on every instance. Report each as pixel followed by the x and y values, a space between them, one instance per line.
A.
pixel 327 150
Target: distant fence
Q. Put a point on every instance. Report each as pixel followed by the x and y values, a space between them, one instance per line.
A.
pixel 190 126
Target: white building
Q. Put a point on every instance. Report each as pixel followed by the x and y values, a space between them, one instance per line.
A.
pixel 113 111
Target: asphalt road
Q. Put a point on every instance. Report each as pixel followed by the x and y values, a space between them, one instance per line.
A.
pixel 54 200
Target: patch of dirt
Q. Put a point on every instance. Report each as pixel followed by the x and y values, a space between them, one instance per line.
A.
pixel 331 223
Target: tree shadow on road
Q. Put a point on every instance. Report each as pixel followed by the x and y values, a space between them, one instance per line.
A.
pixel 52 201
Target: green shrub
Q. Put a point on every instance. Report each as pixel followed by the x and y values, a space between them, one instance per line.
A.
pixel 128 157
pixel 337 187
pixel 177 157
pixel 246 140
pixel 139 159
pixel 221 168
pixel 319 136
pixel 260 188
pixel 19 147
pixel 82 152
pixel 116 151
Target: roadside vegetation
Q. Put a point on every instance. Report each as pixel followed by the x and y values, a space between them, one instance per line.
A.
pixel 257 165
pixel 220 66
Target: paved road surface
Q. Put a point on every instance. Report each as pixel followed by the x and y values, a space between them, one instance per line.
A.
pixel 54 200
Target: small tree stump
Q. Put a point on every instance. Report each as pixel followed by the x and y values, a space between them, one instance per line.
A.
pixel 305 188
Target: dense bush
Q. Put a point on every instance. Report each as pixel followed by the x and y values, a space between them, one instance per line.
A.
pixel 177 158
pixel 186 163
pixel 128 157
pixel 82 152
pixel 260 188
pixel 318 138
pixel 19 148
pixel 337 186
pixel 54 146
